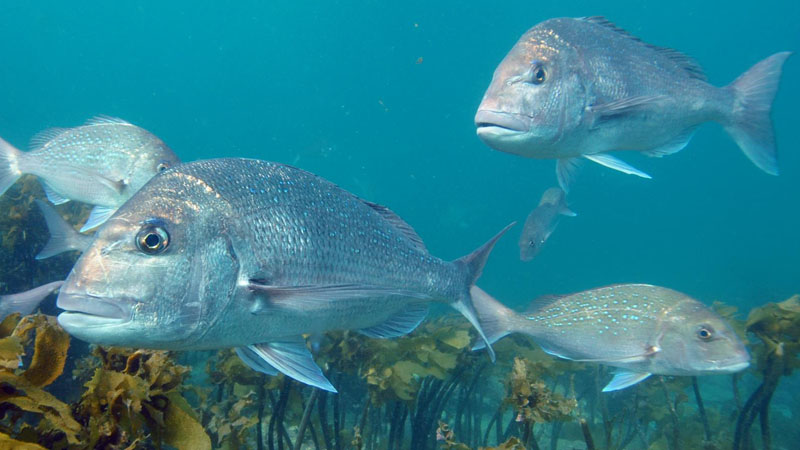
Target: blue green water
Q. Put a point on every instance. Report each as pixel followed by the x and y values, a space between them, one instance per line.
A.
pixel 336 88
pixel 379 97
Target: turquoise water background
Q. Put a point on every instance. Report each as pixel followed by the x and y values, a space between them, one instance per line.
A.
pixel 379 97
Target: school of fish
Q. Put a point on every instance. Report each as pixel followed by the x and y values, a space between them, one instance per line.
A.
pixel 252 255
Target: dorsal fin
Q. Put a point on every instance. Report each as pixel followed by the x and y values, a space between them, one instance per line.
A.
pixel 398 223
pixel 102 119
pixel 43 137
pixel 687 63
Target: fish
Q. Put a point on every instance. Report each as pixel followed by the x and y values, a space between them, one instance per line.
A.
pixel 25 302
pixel 102 163
pixel 542 221
pixel 253 254
pixel 63 238
pixel 577 88
pixel 638 328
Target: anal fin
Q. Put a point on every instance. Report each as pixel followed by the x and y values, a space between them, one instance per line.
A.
pixel 399 324
pixel 674 145
pixel 54 197
pixel 623 379
pixel 255 362
pixel 97 217
pixel 290 357
pixel 604 159
pixel 566 169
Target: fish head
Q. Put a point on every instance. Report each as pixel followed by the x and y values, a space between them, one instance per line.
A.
pixel 697 341
pixel 534 235
pixel 156 274
pixel 154 157
pixel 536 96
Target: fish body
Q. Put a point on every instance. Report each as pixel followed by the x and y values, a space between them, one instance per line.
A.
pixel 541 222
pixel 639 328
pixel 101 163
pixel 580 87
pixel 252 254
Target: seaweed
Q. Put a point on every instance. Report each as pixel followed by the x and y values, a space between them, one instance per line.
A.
pixel 777 326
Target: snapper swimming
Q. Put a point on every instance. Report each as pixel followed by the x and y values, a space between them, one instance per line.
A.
pixel 101 163
pixel 579 88
pixel 641 329
pixel 253 254
pixel 541 222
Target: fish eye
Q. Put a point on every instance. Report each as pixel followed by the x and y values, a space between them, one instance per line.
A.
pixel 152 239
pixel 532 243
pixel 538 74
pixel 705 333
pixel 162 166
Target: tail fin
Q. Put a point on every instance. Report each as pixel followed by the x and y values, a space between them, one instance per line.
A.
pixel 9 166
pixel 63 237
pixel 474 263
pixel 750 124
pixel 497 320
pixel 25 302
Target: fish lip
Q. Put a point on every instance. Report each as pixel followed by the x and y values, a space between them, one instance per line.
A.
pixel 737 366
pixel 510 123
pixel 95 306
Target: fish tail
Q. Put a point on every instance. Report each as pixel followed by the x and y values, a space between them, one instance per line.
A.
pixel 9 165
pixel 63 237
pixel 497 320
pixel 750 124
pixel 25 302
pixel 474 263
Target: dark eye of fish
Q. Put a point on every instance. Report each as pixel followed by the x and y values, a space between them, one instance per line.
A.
pixel 152 240
pixel 531 243
pixel 162 166
pixel 538 74
pixel 705 333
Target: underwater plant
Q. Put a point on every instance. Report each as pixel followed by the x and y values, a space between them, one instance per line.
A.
pixel 777 326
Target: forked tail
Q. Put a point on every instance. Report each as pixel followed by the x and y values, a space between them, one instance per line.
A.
pixel 750 124
pixel 9 166
pixel 466 305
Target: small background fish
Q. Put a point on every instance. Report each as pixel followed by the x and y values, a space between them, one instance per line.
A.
pixel 542 221
pixel 101 163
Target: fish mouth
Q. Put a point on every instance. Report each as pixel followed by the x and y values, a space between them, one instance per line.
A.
pixel 735 366
pixel 497 122
pixel 88 310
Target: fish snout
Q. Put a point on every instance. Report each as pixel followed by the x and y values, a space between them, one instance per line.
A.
pixel 94 305
pixel 501 121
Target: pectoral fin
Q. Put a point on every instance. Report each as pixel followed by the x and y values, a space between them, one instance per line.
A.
pixel 290 357
pixel 604 159
pixel 399 324
pixel 623 379
pixel 627 105
pixel 313 296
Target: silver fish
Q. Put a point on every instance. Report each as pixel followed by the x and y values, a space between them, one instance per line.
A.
pixel 579 88
pixel 63 238
pixel 101 163
pixel 641 329
pixel 542 221
pixel 253 254
pixel 25 302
